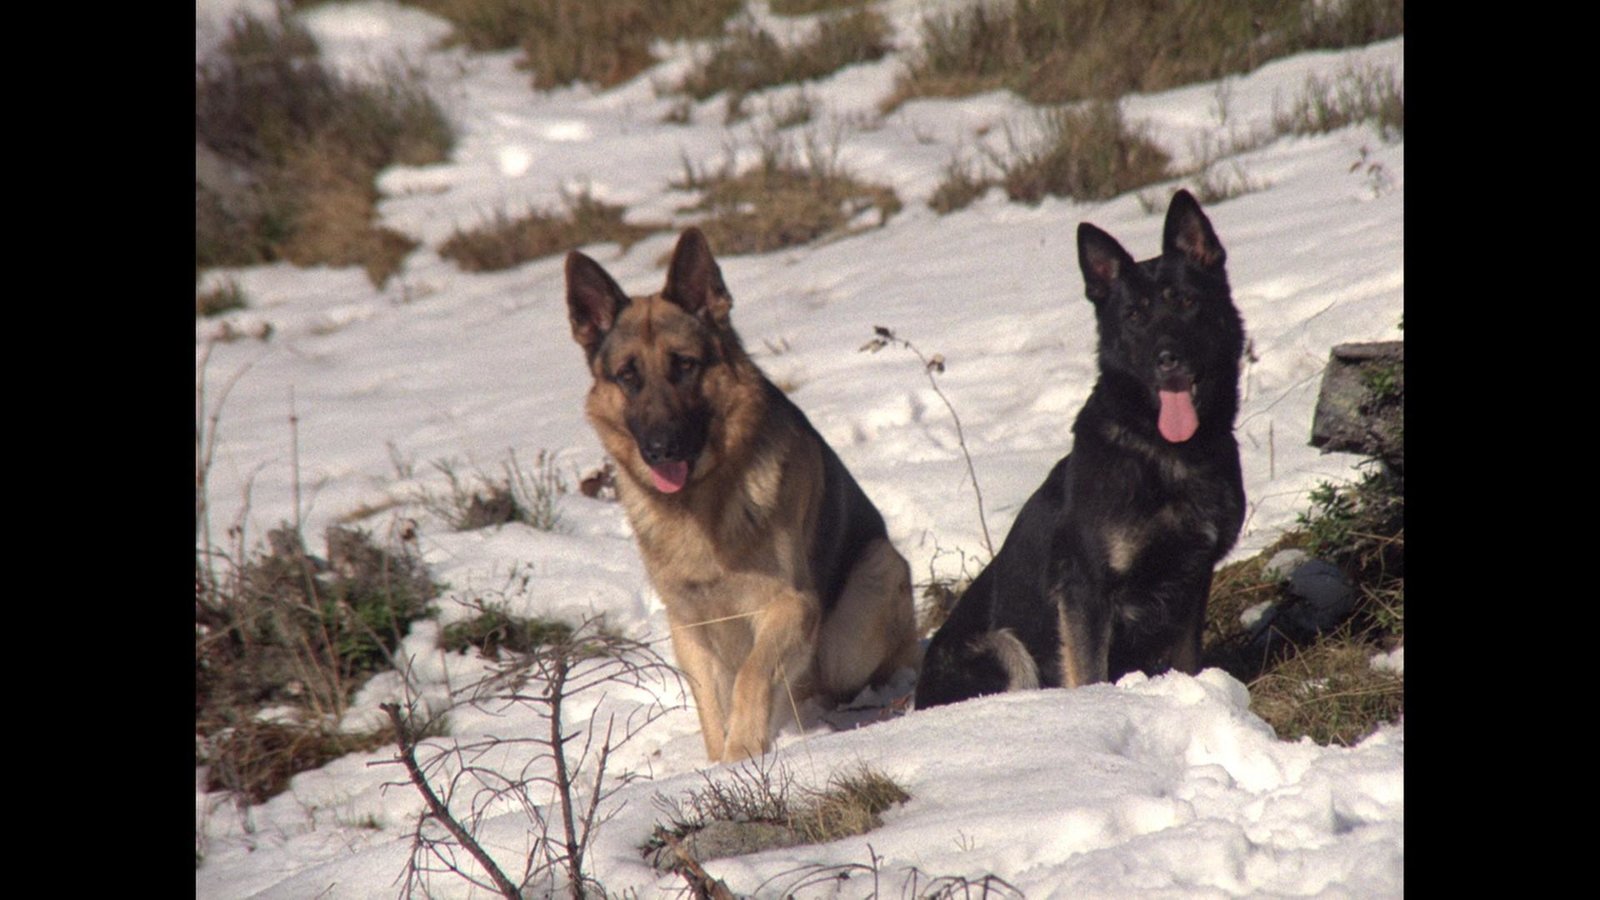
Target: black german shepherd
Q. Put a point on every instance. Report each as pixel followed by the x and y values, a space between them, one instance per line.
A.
pixel 1108 566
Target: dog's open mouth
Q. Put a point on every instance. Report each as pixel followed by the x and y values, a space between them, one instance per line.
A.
pixel 670 476
pixel 1177 420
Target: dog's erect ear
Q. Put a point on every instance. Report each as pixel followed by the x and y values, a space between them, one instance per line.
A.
pixel 593 301
pixel 1102 260
pixel 694 281
pixel 1189 233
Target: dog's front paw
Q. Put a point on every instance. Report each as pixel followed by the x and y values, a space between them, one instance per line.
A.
pixel 744 743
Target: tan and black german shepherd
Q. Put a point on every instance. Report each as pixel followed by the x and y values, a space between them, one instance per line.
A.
pixel 776 571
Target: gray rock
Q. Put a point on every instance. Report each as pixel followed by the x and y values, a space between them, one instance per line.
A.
pixel 1326 596
pixel 1361 405
pixel 721 839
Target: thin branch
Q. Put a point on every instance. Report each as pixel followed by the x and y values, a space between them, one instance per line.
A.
pixel 930 366
pixel 704 886
pixel 441 812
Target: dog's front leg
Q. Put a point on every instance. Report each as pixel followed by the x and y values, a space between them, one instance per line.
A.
pixel 785 643
pixel 698 660
pixel 1085 623
pixel 1185 656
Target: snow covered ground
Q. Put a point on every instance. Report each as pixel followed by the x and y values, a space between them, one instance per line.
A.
pixel 1158 787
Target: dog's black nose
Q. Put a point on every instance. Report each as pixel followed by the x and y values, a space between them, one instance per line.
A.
pixel 660 448
pixel 1167 360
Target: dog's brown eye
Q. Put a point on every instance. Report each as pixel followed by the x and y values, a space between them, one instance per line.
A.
pixel 683 366
pixel 628 377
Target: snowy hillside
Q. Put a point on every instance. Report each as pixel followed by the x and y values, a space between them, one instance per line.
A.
pixel 1165 787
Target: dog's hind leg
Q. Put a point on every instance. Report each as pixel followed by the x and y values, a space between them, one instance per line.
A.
pixel 871 631
pixel 990 663
pixel 969 658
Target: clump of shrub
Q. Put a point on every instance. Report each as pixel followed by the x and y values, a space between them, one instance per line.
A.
pixel 748 58
pixel 256 759
pixel 759 806
pixel 963 183
pixel 1056 51
pixel 789 197
pixel 1088 153
pixel 1369 94
pixel 1216 183
pixel 478 500
pixel 286 630
pixel 222 298
pixel 287 152
pixel 601 42
pixel 504 242
pixel 494 629
pixel 807 7
pixel 1323 685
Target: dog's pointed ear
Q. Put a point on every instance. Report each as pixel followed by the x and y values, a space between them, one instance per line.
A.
pixel 593 302
pixel 1102 260
pixel 694 280
pixel 1188 233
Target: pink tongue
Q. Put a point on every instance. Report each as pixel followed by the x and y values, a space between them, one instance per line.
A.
pixel 1177 421
pixel 670 477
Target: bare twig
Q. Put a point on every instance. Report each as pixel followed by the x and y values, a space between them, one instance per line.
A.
pixel 441 812
pixel 931 366
pixel 560 760
pixel 914 883
pixel 294 458
pixel 205 449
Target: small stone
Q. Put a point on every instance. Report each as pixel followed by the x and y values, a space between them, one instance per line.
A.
pixel 719 839
pixel 1283 562
pixel 1326 594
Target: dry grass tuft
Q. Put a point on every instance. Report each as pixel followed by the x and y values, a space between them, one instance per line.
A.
pixel 964 182
pixel 475 499
pixel 760 794
pixel 793 195
pixel 287 153
pixel 1056 51
pixel 1329 692
pixel 255 760
pixel 223 298
pixel 807 7
pixel 1086 154
pixel 852 803
pixel 504 242
pixel 1368 94
pixel 749 58
pixel 600 42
